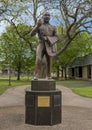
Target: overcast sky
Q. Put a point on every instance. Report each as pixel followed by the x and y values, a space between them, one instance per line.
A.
pixel 2 27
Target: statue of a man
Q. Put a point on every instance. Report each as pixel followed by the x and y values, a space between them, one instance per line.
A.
pixel 47 37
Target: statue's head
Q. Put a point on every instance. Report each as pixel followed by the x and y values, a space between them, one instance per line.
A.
pixel 46 17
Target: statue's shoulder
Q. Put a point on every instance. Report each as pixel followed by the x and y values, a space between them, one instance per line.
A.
pixel 42 27
pixel 52 26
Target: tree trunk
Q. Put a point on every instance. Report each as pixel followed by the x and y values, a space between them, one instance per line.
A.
pixel 65 73
pixel 57 72
pixel 19 71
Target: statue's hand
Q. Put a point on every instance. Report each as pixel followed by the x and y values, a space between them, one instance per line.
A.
pixel 45 38
pixel 39 23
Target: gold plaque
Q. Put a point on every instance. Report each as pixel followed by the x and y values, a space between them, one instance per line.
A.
pixel 43 101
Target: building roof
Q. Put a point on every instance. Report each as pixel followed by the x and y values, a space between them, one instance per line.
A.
pixel 82 61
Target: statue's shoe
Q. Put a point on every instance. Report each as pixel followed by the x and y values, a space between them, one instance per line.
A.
pixel 35 78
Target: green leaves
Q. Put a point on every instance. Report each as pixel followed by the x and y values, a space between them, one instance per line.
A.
pixel 80 46
pixel 15 49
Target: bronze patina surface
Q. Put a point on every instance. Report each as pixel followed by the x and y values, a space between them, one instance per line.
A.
pixel 48 36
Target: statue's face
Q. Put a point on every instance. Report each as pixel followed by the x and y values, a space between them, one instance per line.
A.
pixel 46 17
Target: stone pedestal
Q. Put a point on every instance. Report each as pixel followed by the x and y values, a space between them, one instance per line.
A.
pixel 43 103
pixel 43 85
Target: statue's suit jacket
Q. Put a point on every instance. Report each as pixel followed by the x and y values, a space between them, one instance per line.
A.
pixel 50 33
pixel 47 37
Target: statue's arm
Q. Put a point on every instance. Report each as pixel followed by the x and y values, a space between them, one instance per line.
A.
pixel 55 32
pixel 34 30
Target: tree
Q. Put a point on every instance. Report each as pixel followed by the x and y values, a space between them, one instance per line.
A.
pixel 79 47
pixel 16 50
pixel 20 11
pixel 3 6
pixel 87 47
pixel 76 17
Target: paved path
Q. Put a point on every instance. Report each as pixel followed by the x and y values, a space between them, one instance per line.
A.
pixel 13 96
pixel 71 99
pixel 76 111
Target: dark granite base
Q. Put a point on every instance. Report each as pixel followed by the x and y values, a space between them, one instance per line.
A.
pixel 43 107
pixel 43 103
pixel 43 85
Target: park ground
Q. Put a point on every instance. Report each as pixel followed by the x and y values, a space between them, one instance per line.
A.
pixel 76 110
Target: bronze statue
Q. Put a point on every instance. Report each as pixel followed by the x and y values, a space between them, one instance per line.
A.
pixel 47 38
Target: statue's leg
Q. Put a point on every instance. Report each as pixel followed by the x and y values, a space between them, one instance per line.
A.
pixel 38 61
pixel 44 67
pixel 49 65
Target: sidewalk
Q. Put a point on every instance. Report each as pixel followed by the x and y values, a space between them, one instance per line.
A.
pixel 71 99
pixel 76 111
pixel 13 97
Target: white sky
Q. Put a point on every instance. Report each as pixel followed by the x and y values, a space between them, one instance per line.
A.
pixel 2 26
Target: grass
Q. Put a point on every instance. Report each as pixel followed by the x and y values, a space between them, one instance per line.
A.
pixel 4 83
pixel 85 92
pixel 5 77
pixel 80 87
pixel 75 83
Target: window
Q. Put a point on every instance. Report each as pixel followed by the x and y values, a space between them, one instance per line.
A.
pixel 89 71
pixel 80 71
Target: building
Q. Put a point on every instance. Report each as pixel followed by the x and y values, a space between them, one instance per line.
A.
pixel 81 68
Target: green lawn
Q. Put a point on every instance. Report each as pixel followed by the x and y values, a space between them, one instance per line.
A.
pixel 4 83
pixel 82 88
pixel 75 83
pixel 85 92
pixel 4 77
